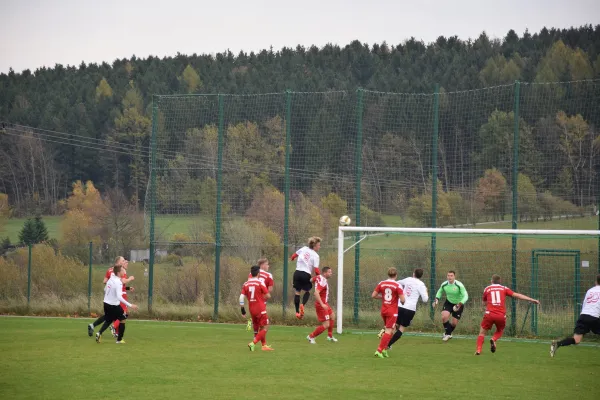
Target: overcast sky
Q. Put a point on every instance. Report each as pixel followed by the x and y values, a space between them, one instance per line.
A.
pixel 44 33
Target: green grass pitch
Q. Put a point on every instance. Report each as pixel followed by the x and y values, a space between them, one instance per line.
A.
pixel 55 359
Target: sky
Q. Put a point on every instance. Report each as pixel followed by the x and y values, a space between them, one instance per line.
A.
pixel 44 33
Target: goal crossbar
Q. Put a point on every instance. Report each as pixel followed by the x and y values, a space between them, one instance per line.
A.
pixel 521 232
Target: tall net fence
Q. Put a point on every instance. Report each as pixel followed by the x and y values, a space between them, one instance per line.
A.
pixel 238 177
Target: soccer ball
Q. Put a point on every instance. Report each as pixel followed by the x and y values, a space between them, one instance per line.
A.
pixel 345 220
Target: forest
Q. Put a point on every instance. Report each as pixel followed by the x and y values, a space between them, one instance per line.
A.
pixel 93 122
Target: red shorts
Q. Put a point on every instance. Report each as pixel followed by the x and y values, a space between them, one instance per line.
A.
pixel 389 320
pixel 490 320
pixel 260 319
pixel 322 314
pixel 124 307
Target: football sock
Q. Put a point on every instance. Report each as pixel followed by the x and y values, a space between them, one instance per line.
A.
pixel 395 338
pixel 480 340
pixel 261 334
pixel 320 329
pixel 99 321
pixel 116 325
pixel 566 342
pixel 451 329
pixel 104 327
pixel 297 302
pixel 385 339
pixel 121 332
pixel 330 329
pixel 497 335
pixel 305 297
pixel 447 327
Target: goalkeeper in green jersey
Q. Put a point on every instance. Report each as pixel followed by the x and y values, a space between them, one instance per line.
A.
pixel 456 297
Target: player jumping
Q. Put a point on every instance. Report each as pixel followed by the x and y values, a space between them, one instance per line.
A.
pixel 308 260
pixel 456 297
pixel 390 292
pixel 589 319
pixel 324 312
pixel 257 293
pixel 494 298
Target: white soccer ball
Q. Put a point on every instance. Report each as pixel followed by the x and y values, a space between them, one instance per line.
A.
pixel 345 220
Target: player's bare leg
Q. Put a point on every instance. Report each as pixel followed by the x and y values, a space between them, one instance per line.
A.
pixel 576 339
pixel 480 340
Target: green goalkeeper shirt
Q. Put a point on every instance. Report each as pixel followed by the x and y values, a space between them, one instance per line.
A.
pixel 455 292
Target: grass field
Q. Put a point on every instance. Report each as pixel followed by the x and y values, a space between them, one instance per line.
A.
pixel 55 359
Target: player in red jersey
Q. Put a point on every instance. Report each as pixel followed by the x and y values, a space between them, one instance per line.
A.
pixel 257 293
pixel 494 298
pixel 324 311
pixel 265 277
pixel 390 292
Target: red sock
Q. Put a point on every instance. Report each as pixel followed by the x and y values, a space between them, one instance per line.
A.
pixel 263 340
pixel 480 340
pixel 385 339
pixel 330 329
pixel 116 325
pixel 260 336
pixel 317 331
pixel 497 335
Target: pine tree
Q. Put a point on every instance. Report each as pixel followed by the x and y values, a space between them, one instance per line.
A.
pixel 34 231
pixel 41 230
pixel 27 234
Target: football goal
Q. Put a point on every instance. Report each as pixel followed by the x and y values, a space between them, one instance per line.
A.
pixel 554 266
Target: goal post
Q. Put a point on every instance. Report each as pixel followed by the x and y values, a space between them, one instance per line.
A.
pixel 542 271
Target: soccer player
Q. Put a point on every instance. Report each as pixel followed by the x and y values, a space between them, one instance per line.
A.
pixel 265 277
pixel 257 293
pixel 413 288
pixel 113 297
pixel 589 319
pixel 494 298
pixel 308 260
pixel 121 261
pixel 390 292
pixel 324 311
pixel 456 297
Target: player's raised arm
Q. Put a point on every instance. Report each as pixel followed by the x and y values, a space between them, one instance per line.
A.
pixel 523 297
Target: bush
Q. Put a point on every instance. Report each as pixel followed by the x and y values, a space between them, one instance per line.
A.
pixel 52 274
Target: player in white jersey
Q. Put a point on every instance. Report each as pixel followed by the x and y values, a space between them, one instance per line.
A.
pixel 113 297
pixel 308 261
pixel 589 319
pixel 413 288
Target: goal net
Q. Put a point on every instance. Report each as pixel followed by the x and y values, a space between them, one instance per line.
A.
pixel 553 266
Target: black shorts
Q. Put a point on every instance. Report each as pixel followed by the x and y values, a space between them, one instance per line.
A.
pixel 450 308
pixel 405 317
pixel 302 281
pixel 586 323
pixel 113 313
